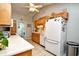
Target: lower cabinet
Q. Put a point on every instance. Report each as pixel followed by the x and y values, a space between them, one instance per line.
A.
pixel 36 37
pixel 26 53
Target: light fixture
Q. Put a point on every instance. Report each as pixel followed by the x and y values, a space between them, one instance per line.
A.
pixel 31 9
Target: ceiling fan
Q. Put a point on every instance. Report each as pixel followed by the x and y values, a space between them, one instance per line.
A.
pixel 33 7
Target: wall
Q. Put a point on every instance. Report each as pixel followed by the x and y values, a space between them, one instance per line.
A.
pixel 17 17
pixel 27 19
pixel 72 25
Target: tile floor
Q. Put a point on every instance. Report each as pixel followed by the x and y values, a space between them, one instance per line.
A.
pixel 39 50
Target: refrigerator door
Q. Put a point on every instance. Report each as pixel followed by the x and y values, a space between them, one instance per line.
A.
pixel 52 47
pixel 53 30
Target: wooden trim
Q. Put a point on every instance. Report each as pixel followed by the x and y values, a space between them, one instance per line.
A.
pixel 64 14
pixel 14 28
pixel 26 53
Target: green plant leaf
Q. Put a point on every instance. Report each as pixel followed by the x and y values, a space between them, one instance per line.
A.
pixel 4 41
pixel 1 34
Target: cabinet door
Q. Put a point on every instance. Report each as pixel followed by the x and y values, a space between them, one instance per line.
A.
pixel 5 14
pixel 36 37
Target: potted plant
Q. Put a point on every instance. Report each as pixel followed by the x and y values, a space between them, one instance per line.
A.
pixel 3 41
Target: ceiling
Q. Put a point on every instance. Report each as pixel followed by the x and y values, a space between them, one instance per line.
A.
pixel 17 8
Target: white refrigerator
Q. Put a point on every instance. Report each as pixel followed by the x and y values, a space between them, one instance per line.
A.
pixel 55 33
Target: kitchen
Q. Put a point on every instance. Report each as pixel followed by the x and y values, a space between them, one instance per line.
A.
pixel 35 32
pixel 16 45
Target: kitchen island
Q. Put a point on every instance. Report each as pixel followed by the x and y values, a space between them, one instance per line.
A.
pixel 17 47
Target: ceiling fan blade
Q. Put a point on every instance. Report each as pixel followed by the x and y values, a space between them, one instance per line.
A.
pixel 36 10
pixel 28 6
pixel 38 6
pixel 33 9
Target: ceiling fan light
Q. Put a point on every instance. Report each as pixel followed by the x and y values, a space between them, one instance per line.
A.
pixel 31 9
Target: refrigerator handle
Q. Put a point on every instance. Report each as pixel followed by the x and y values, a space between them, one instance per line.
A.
pixel 54 42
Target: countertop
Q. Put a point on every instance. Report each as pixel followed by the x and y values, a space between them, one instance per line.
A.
pixel 16 45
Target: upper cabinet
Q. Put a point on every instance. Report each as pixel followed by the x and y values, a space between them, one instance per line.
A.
pixel 5 14
pixel 40 23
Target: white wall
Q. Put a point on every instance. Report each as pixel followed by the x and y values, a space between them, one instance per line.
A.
pixel 27 19
pixel 17 17
pixel 73 23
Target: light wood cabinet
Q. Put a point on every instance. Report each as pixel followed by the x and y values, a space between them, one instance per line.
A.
pixel 13 29
pixel 40 21
pixel 5 14
pixel 36 37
